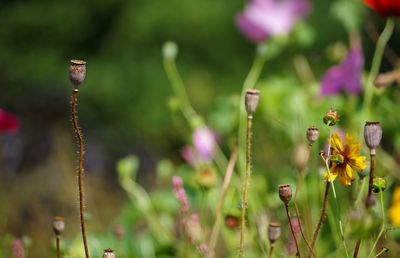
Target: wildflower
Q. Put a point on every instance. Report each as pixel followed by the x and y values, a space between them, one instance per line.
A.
pixel 18 248
pixel 384 7
pixel 263 19
pixel 204 141
pixel 8 122
pixel 180 193
pixel 394 210
pixel 344 158
pixel 291 244
pixel 345 76
pixel 331 117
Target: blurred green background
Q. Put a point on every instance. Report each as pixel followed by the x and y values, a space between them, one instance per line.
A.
pixel 123 104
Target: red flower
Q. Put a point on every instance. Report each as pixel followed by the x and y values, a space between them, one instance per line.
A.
pixel 384 7
pixel 8 122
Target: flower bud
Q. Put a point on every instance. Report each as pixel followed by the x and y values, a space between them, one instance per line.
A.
pixel 77 72
pixel 312 135
pixel 372 134
pixel 251 100
pixel 170 50
pixel 232 221
pixel 285 193
pixel 331 117
pixel 274 232
pixel 108 253
pixel 58 225
pixel 206 178
pixel 378 184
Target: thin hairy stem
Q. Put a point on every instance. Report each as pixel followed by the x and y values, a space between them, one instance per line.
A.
pixel 245 184
pixel 292 230
pixel 376 63
pixel 271 250
pixel 371 176
pixel 356 248
pixel 81 152
pixel 58 246
pixel 224 189
pixel 382 227
pixel 299 181
pixel 321 217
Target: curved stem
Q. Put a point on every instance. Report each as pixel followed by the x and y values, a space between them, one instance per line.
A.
pixel 81 151
pixel 225 185
pixel 321 217
pixel 245 185
pixel 376 63
pixel 382 227
pixel 292 230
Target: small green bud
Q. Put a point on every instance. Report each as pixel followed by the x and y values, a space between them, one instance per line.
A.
pixel 331 117
pixel 378 184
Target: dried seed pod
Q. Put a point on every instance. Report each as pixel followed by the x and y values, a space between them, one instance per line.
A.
pixel 251 100
pixel 58 225
pixel 274 232
pixel 77 72
pixel 372 134
pixel 108 253
pixel 331 117
pixel 285 193
pixel 312 135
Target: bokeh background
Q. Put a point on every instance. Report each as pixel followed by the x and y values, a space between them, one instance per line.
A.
pixel 124 104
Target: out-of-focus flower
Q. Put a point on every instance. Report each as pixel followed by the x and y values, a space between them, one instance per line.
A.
pixel 8 122
pixel 345 76
pixel 291 245
pixel 18 248
pixel 394 210
pixel 180 194
pixel 384 7
pixel 204 142
pixel 344 158
pixel 262 19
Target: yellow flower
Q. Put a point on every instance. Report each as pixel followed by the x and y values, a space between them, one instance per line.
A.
pixel 344 159
pixel 394 210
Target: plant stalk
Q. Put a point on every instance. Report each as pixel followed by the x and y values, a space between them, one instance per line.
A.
pixel 292 230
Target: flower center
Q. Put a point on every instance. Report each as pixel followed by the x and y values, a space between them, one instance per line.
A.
pixel 337 158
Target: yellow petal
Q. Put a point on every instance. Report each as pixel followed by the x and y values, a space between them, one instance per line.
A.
pixel 333 174
pixel 336 142
pixel 358 163
pixel 346 175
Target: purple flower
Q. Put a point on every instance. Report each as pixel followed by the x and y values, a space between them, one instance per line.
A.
pixel 262 19
pixel 205 142
pixel 8 122
pixel 345 76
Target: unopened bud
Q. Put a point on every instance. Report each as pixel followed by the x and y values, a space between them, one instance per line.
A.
pixel 285 193
pixel 312 135
pixel 170 50
pixel 77 72
pixel 274 232
pixel 58 225
pixel 331 117
pixel 378 184
pixel 108 253
pixel 372 134
pixel 251 100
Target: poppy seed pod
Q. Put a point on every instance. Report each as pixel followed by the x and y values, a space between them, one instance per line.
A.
pixel 312 135
pixel 331 117
pixel 251 100
pixel 285 193
pixel 58 225
pixel 77 72
pixel 372 134
pixel 274 232
pixel 108 253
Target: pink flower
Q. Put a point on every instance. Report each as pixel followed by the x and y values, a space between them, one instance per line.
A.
pixel 180 193
pixel 204 142
pixel 262 19
pixel 345 76
pixel 8 122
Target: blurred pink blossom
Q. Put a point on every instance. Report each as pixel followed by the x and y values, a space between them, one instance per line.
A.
pixel 205 142
pixel 262 19
pixel 180 194
pixel 8 122
pixel 18 248
pixel 345 76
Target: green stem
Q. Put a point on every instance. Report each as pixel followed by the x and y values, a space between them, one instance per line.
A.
pixel 58 246
pixel 382 227
pixel 245 185
pixel 376 63
pixel 249 82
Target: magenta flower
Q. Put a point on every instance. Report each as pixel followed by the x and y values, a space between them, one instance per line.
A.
pixel 205 142
pixel 345 76
pixel 262 19
pixel 8 122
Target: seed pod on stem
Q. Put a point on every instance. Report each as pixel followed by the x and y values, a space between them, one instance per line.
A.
pixel 77 72
pixel 251 100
